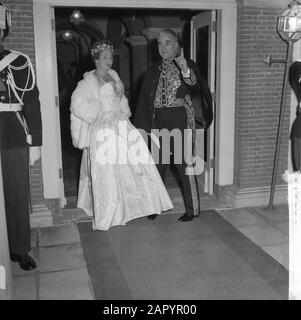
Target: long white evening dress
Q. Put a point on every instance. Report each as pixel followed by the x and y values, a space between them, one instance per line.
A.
pixel 113 192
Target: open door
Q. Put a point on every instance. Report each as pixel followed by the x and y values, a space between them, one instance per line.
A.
pixel 203 52
pixel 57 113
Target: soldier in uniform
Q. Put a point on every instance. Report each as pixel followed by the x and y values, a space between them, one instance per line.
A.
pixel 295 82
pixel 20 141
pixel 165 103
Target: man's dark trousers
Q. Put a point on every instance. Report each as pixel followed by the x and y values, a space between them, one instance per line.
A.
pixel 175 118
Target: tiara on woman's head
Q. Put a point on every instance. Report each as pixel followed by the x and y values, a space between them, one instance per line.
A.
pixel 100 46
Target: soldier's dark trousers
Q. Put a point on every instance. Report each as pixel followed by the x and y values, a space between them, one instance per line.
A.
pixel 15 172
pixel 296 153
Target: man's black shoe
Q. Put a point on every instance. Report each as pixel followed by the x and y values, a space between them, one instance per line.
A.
pixel 152 216
pixel 25 261
pixel 14 257
pixel 185 217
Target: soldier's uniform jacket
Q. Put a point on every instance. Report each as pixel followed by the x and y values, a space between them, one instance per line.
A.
pixel 12 134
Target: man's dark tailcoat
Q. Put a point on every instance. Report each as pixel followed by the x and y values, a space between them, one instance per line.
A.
pixel 165 103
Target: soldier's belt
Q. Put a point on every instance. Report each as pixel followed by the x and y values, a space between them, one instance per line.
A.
pixel 10 107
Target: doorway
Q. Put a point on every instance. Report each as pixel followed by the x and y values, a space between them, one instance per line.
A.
pixel 73 43
pixel 44 28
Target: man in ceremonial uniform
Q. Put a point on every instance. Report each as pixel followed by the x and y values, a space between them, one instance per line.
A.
pixel 20 141
pixel 165 102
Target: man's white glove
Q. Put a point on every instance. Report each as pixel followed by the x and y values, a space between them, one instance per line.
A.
pixel 34 155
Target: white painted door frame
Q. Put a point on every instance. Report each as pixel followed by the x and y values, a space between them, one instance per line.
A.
pixel 201 20
pixel 225 76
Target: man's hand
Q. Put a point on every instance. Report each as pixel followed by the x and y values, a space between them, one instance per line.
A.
pixel 34 155
pixel 182 63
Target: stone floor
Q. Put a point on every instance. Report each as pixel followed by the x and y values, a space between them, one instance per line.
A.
pixel 62 269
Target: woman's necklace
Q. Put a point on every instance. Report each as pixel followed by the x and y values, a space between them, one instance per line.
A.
pixel 117 85
pixel 103 77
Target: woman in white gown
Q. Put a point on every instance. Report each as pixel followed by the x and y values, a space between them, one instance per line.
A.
pixel 119 180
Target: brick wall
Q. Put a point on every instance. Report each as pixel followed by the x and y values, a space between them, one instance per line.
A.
pixel 21 38
pixel 258 98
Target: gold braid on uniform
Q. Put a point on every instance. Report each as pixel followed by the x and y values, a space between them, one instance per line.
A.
pixel 10 78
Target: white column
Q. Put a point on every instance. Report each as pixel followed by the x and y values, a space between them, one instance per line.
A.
pixel 294 201
pixel 47 84
pixel 5 272
pixel 225 95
